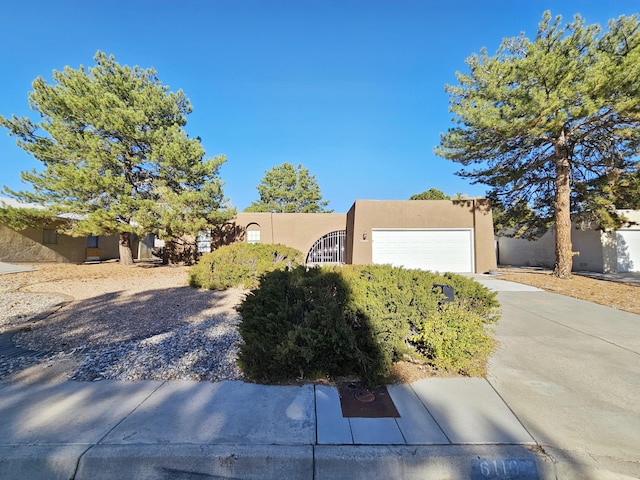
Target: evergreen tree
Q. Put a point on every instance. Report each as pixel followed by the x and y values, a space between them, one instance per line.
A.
pixel 289 189
pixel 431 194
pixel 114 152
pixel 550 122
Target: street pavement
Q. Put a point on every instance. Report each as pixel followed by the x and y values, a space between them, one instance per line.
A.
pixel 560 401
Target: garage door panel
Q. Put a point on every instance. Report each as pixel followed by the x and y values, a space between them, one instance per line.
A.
pixel 426 249
pixel 628 250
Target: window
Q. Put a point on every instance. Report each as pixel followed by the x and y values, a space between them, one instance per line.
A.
pixel 50 237
pixel 92 241
pixel 253 236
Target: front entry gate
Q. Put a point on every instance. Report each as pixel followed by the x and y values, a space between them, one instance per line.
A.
pixel 328 250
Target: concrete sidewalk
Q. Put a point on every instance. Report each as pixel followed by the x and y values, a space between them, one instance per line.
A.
pixel 449 428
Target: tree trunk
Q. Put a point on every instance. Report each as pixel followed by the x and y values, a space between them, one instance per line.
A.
pixel 124 247
pixel 562 206
pixel 168 247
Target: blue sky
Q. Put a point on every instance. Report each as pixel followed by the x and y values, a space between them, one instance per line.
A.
pixel 353 90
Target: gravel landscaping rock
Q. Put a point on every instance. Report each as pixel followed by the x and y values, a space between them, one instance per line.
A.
pixel 19 308
pixel 123 323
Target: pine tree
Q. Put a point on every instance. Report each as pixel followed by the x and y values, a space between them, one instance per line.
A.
pixel 550 122
pixel 115 154
pixel 289 189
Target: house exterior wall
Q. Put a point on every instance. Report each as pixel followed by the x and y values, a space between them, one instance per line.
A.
pixel 366 215
pixel 623 260
pixel 527 253
pixel 597 249
pixel 297 230
pixel 541 252
pixel 27 246
pixel 633 216
pixel 588 245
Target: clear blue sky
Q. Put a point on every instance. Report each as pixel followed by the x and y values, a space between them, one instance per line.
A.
pixel 353 90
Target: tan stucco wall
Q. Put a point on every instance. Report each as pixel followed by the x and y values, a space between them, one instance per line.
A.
pixel 633 216
pixel 26 246
pixel 109 249
pixel 366 215
pixel 588 244
pixel 593 246
pixel 598 249
pixel 485 245
pixel 297 230
pixel 527 253
pixel 610 245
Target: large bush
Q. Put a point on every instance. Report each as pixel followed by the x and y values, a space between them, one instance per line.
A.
pixel 241 265
pixel 299 323
pixel 357 320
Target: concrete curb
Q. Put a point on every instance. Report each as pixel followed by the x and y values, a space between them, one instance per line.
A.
pixel 277 462
pixel 476 462
pixel 40 462
pixel 146 462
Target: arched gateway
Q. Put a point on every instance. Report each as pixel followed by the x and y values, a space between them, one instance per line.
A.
pixel 328 249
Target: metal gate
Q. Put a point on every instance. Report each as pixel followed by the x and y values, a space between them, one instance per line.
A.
pixel 328 249
pixel 203 241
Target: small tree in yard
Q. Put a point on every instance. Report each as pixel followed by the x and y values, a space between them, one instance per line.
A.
pixel 289 189
pixel 554 124
pixel 114 151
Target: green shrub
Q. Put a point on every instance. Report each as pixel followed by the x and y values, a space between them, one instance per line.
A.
pixel 456 339
pixel 358 320
pixel 241 265
pixel 299 324
pixel 397 302
pixel 473 296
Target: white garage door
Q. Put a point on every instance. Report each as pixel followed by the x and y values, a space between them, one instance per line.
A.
pixel 441 250
pixel 628 246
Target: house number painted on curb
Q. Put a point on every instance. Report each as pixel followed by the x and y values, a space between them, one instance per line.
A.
pixel 504 469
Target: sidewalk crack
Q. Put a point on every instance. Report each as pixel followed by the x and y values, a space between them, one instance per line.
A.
pixel 131 412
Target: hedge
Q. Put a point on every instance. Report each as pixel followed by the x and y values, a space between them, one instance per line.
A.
pixel 241 265
pixel 358 320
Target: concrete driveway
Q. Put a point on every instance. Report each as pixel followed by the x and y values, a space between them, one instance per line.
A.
pixel 570 372
pixel 11 268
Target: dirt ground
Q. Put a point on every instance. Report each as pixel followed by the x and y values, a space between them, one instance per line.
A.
pixel 82 282
pixel 87 280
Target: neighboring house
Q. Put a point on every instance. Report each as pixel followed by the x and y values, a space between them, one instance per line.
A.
pixel 599 251
pixel 437 235
pixel 47 245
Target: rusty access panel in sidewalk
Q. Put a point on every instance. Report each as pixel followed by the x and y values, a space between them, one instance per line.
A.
pixel 357 401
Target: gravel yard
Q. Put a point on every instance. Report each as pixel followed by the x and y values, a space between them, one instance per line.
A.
pixel 116 322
